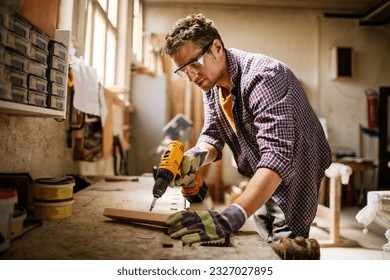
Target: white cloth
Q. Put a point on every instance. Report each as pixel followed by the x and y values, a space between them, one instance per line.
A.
pixel 378 210
pixel 374 205
pixel 339 169
pixel 89 94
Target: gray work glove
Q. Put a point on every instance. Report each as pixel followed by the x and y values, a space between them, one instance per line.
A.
pixel 205 225
pixel 192 160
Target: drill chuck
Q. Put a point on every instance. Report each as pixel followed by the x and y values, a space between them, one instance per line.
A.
pixel 160 186
pixel 162 180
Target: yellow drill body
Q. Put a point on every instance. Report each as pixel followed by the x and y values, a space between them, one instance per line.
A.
pixel 171 158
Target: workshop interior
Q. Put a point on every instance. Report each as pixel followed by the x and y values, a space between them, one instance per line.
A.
pixel 94 124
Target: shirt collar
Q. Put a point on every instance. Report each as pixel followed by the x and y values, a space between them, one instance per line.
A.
pixel 233 68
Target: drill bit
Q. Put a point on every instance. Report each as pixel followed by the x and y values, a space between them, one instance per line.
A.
pixel 153 203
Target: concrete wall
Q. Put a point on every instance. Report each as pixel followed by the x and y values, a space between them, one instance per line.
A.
pixel 35 145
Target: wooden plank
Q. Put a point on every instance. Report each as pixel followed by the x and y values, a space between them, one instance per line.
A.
pixel 137 195
pixel 146 217
pixel 136 216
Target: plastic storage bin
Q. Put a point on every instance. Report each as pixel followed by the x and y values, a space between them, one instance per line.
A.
pixel 37 98
pixel 37 83
pixel 58 49
pixel 15 60
pixel 57 89
pixel 39 39
pixel 18 25
pixel 57 103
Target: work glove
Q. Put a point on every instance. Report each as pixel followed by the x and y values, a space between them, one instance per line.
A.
pixel 192 160
pixel 205 226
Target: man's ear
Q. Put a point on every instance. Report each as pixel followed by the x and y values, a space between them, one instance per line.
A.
pixel 217 48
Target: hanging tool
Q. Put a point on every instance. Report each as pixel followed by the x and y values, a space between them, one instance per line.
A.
pixel 123 158
pixel 169 169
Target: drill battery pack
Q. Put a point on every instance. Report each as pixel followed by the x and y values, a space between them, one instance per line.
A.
pixel 196 194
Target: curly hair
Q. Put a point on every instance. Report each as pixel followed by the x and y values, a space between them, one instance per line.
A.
pixel 195 28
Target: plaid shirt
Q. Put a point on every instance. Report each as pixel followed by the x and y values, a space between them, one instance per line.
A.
pixel 276 128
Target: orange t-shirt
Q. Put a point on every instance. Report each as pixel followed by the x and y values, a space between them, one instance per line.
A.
pixel 225 98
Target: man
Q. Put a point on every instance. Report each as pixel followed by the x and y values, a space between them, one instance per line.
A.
pixel 255 105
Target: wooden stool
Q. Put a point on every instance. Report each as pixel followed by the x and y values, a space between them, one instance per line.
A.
pixel 336 173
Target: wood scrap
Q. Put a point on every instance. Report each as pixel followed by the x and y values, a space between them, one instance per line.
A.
pixel 136 216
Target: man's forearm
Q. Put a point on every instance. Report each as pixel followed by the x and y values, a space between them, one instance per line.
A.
pixel 259 190
pixel 212 155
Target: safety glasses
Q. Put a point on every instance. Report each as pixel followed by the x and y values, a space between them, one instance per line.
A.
pixel 193 65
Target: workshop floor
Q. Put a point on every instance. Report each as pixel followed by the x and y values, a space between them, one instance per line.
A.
pixel 370 245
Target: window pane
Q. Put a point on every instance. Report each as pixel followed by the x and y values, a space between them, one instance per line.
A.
pixel 88 46
pixel 137 31
pixel 103 3
pixel 110 59
pixel 99 43
pixel 136 7
pixel 113 12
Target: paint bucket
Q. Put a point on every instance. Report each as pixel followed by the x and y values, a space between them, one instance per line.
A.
pixel 53 198
pixel 58 188
pixel 55 210
pixel 8 199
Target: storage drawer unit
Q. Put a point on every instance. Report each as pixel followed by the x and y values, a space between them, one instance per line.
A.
pixel 26 76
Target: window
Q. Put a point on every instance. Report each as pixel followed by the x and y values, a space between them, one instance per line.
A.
pixel 138 31
pixel 97 26
pixel 146 47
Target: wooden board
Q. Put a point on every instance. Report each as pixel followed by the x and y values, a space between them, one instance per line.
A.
pixel 136 216
pixel 137 195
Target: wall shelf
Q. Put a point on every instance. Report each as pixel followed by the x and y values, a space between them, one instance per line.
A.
pixel 19 109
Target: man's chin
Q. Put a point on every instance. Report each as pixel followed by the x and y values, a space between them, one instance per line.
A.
pixel 205 86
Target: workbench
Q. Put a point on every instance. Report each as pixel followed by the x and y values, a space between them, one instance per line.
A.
pixel 88 235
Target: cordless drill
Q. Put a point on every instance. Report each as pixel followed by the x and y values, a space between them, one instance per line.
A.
pixel 169 169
